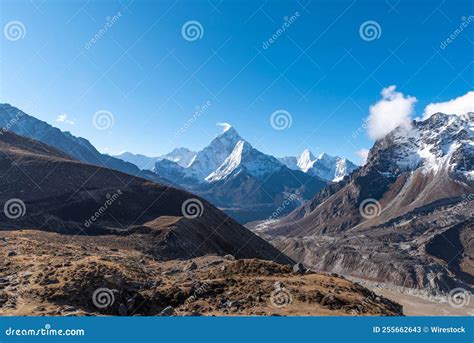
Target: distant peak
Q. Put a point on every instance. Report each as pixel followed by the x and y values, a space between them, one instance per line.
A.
pixel 181 150
pixel 307 154
pixel 324 156
pixel 306 160
pixel 229 134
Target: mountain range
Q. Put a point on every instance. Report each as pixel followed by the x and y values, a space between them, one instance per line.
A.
pixel 82 239
pixel 244 182
pixel 182 156
pixel 326 167
pixel 405 218
pixel 229 172
pixel 19 122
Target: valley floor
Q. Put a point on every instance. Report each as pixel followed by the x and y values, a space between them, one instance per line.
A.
pixel 417 306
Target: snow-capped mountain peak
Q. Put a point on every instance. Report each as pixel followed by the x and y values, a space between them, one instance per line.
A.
pixel 212 156
pixel 332 168
pixel 182 156
pixel 441 142
pixel 231 163
pixel 245 157
pixel 324 166
pixel 326 157
pixel 305 160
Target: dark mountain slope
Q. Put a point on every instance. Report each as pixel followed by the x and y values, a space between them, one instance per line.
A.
pixel 68 196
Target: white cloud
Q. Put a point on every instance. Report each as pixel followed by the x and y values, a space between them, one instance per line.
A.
pixel 225 126
pixel 395 109
pixel 62 118
pixel 460 105
pixel 363 154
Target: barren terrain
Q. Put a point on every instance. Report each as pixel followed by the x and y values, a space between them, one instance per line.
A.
pixel 45 273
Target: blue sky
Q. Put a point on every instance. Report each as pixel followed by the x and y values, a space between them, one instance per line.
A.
pixel 150 78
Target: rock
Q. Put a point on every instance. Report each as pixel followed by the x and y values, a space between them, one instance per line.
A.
pixel 130 303
pixel 214 263
pixel 122 311
pixel 278 285
pixel 235 303
pixel 115 280
pixel 190 266
pixel 49 281
pixel 12 253
pixel 156 283
pixel 229 303
pixel 299 268
pixel 332 302
pixel 68 308
pixel 229 257
pixel 168 311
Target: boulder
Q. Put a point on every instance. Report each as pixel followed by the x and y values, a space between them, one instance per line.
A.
pixel 299 268
pixel 168 311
